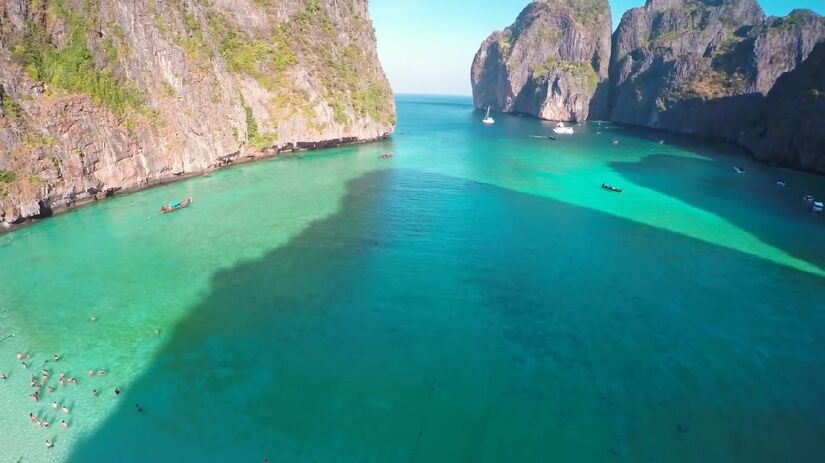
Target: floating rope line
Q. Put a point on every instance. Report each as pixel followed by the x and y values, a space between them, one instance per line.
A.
pixel 7 337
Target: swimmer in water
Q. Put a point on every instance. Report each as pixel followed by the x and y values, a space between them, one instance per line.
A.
pixel 55 405
pixel 49 444
pixel 64 424
pixel 91 372
pixel 94 393
pixel 3 376
pixel 138 408
pixel 19 356
pixel 56 358
pixel 66 410
pixel 35 397
pixel 117 391
pixel 101 372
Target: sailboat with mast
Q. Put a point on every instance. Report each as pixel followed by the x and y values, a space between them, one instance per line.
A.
pixel 487 119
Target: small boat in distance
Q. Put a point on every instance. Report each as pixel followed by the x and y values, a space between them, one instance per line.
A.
pixel 487 119
pixel 739 170
pixel 175 206
pixel 561 129
pixel 612 188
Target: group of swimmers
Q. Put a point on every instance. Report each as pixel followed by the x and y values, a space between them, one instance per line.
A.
pixel 38 385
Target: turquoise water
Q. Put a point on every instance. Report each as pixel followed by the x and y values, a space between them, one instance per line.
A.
pixel 475 298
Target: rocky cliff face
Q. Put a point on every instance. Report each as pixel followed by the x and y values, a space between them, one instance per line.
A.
pixel 102 95
pixel 703 66
pixel 551 63
pixel 789 128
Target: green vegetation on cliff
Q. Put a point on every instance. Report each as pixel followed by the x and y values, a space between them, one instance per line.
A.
pixel 264 58
pixel 7 176
pixel 577 69
pixel 72 67
pixel 340 69
pixel 10 107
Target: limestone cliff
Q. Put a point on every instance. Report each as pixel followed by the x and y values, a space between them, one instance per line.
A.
pixel 703 66
pixel 102 95
pixel 551 63
pixel 789 130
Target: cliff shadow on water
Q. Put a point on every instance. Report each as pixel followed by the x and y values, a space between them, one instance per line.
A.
pixel 776 215
pixel 438 319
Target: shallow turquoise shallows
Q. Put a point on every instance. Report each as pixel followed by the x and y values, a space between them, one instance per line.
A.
pixel 476 298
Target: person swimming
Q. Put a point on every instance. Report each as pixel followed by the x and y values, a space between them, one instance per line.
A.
pixel 19 356
pixel 93 318
pixel 117 391
pixel 65 410
pixel 138 408
pixel 91 372
pixel 56 358
pixel 101 372
pixel 49 444
pixel 55 405
pixel 64 424
pixel 94 393
pixel 3 376
pixel 35 397
pixel 50 389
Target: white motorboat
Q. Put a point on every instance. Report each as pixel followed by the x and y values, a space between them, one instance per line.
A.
pixel 561 129
pixel 487 119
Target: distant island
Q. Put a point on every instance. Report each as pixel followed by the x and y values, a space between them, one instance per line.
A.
pixel 714 68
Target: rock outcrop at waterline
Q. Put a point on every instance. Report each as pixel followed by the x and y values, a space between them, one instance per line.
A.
pixel 102 95
pixel 552 63
pixel 703 66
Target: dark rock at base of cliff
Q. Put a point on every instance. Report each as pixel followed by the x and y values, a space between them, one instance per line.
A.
pixel 790 128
